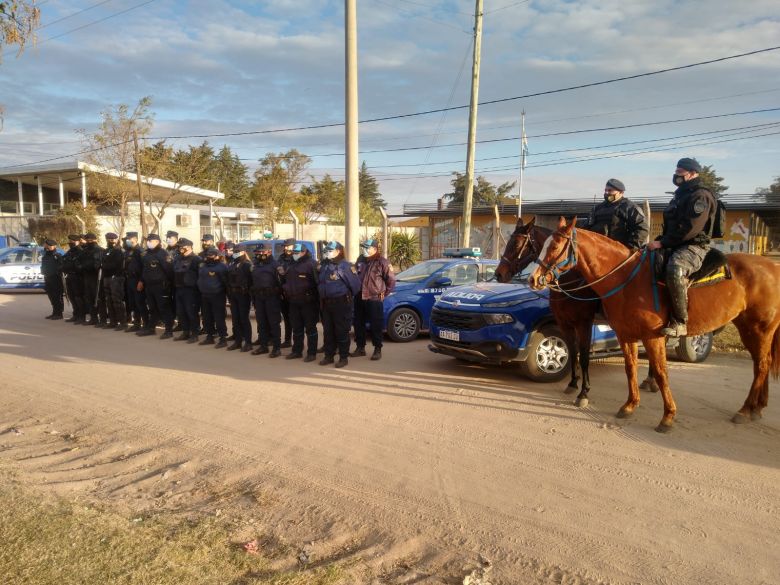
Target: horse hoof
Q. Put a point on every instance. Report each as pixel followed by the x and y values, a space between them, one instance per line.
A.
pixel 654 386
pixel 740 419
pixel 581 402
pixel 644 385
pixel 756 415
pixel 663 428
pixel 570 389
pixel 624 413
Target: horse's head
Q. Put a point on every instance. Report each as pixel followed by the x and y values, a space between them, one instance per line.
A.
pixel 559 255
pixel 522 248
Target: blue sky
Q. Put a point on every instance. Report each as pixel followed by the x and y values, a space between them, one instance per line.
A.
pixel 228 66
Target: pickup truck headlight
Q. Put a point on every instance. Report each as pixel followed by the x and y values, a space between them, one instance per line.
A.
pixel 498 318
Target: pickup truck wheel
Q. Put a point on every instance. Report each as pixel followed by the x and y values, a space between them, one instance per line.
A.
pixel 403 325
pixel 548 356
pixel 694 349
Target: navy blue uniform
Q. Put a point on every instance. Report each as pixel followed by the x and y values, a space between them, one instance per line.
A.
pixel 88 265
pixel 212 284
pixel 338 285
pixel 157 276
pixel 285 261
pixel 239 286
pixel 185 279
pixel 113 262
pixel 267 293
pixel 136 300
pixel 300 290
pixel 51 269
pixel 74 284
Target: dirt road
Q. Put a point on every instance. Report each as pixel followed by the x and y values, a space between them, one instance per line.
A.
pixel 417 465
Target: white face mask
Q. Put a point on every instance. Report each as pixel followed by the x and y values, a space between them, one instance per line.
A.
pixel 297 255
pixel 172 241
pixel 369 251
pixel 236 255
pixel 331 254
pixel 151 244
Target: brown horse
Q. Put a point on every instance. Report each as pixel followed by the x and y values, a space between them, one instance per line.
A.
pixel 624 280
pixel 573 317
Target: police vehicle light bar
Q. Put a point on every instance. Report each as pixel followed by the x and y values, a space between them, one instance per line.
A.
pixel 462 252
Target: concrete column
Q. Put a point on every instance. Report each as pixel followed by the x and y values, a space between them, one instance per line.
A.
pixel 62 192
pixel 21 196
pixel 352 199
pixel 40 196
pixel 84 191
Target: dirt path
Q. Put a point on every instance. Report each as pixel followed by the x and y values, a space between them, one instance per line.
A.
pixel 416 464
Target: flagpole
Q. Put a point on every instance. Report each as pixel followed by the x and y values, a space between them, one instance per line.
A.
pixel 523 144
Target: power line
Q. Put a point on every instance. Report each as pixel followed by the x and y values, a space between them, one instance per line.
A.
pixel 507 6
pixel 53 22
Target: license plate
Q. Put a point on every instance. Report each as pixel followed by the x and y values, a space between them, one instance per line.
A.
pixel 451 335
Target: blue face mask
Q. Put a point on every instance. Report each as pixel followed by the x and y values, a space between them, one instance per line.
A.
pixel 236 255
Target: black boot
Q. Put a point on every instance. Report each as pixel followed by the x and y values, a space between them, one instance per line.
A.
pixel 56 317
pixel 208 341
pixel 286 344
pixel 246 347
pixel 342 362
pixel 193 339
pixel 377 355
pixel 221 343
pixel 310 357
pixel 677 284
pixel 234 346
pixel 260 350
pixel 275 353
pixel 294 356
pixel 166 335
pixel 327 360
pixel 182 337
pixel 359 352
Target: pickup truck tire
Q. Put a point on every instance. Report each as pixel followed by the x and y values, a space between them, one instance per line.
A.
pixel 403 325
pixel 694 349
pixel 548 356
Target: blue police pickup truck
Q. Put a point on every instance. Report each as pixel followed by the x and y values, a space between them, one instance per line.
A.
pixel 494 323
pixel 407 310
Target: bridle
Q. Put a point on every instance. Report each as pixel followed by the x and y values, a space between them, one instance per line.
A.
pixel 558 266
pixel 528 239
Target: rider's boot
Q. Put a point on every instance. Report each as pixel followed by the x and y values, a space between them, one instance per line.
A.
pixel 677 285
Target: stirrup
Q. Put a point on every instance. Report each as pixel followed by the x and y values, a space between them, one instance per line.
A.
pixel 675 329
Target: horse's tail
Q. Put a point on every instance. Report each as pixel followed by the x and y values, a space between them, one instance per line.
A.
pixel 775 363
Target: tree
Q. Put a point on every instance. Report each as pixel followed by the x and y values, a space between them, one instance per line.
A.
pixel 275 189
pixel 771 193
pixel 404 250
pixel 18 21
pixel 370 197
pixel 710 179
pixel 231 177
pixel 485 193
pixel 111 149
pixel 326 197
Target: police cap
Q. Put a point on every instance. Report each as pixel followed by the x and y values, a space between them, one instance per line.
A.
pixel 689 164
pixel 617 185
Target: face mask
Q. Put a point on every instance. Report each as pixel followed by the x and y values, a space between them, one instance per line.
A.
pixel 151 245
pixel 128 244
pixel 172 241
pixel 610 197
pixel 331 254
pixel 369 252
pixel 297 256
pixel 211 260
pixel 236 255
pixel 72 245
pixel 678 179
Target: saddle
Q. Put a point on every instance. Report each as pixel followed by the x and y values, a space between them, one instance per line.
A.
pixel 713 269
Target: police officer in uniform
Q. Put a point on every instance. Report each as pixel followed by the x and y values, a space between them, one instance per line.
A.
pixel 113 263
pixel 300 290
pixel 619 218
pixel 285 261
pixel 338 286
pixel 377 281
pixel 51 269
pixel 212 284
pixel 239 287
pixel 88 265
pixel 157 282
pixel 172 247
pixel 266 290
pixel 185 278
pixel 74 284
pixel 136 300
pixel 688 221
pixel 206 242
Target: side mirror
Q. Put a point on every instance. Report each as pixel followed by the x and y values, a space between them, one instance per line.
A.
pixel 442 281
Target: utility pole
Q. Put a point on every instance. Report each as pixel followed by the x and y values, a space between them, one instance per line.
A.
pixel 352 212
pixel 141 204
pixel 523 154
pixel 465 235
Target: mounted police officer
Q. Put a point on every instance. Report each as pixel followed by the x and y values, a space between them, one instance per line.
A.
pixel 136 299
pixel 267 293
pixel 74 284
pixel 88 265
pixel 619 218
pixel 300 289
pixel 338 286
pixel 239 287
pixel 212 284
pixel 377 281
pixel 688 222
pixel 157 281
pixel 285 260
pixel 113 263
pixel 185 279
pixel 51 269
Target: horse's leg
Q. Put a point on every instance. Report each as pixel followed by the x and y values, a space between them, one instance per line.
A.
pixel 649 382
pixel 759 343
pixel 656 353
pixel 584 335
pixel 630 356
pixel 570 338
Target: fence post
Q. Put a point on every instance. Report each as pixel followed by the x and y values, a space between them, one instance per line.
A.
pixel 385 234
